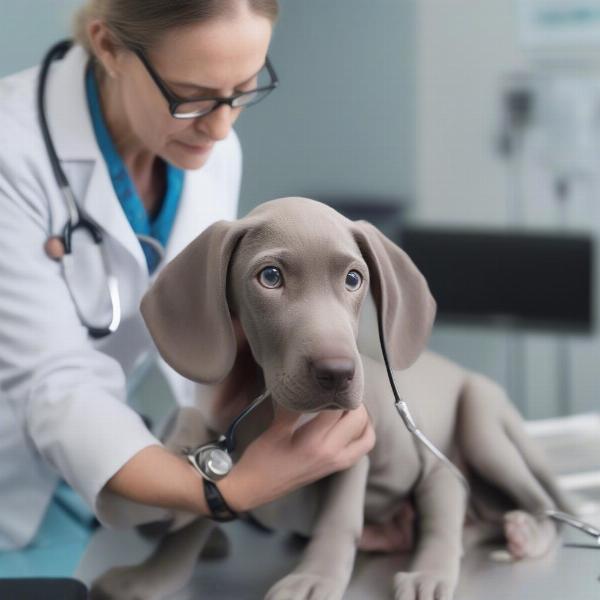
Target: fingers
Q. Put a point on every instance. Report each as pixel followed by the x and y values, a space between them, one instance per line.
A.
pixel 359 446
pixel 338 438
pixel 317 429
pixel 329 442
pixel 284 420
pixel 339 427
pixel 294 426
pixel 351 427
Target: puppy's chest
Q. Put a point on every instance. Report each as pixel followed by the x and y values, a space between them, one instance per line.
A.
pixel 396 459
pixel 394 467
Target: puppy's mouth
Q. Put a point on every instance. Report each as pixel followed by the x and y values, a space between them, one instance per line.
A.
pixel 342 404
pixel 294 393
pixel 320 402
pixel 321 407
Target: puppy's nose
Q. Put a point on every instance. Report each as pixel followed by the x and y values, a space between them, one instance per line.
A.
pixel 333 373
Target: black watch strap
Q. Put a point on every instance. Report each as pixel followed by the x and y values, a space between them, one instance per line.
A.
pixel 219 509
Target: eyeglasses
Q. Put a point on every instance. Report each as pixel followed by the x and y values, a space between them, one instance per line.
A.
pixel 192 108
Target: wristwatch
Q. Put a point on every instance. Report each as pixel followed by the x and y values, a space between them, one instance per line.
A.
pixel 213 462
pixel 219 509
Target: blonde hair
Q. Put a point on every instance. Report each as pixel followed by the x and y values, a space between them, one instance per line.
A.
pixel 139 23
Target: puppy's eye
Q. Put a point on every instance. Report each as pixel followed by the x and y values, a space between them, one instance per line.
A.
pixel 270 277
pixel 353 280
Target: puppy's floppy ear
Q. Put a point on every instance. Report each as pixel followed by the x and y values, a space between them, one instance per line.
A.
pixel 186 309
pixel 405 306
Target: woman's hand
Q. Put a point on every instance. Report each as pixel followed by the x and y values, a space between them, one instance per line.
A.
pixel 287 456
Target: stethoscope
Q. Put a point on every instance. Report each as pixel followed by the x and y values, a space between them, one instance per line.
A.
pixel 61 247
pixel 212 460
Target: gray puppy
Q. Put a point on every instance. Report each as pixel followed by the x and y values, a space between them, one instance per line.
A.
pixel 294 274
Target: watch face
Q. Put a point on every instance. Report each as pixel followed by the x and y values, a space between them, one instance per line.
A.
pixel 212 461
pixel 218 462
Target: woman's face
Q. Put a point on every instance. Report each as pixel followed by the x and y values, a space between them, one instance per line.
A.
pixel 214 58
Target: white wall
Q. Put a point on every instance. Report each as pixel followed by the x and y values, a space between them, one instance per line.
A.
pixel 464 49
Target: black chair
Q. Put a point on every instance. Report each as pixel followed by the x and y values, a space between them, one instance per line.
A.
pixel 527 280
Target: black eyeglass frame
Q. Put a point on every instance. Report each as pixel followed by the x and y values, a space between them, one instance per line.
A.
pixel 174 101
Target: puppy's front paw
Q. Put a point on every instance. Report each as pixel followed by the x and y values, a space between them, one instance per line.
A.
pixel 421 585
pixel 304 586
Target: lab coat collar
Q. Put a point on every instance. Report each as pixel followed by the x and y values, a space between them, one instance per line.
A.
pixel 68 115
pixel 75 142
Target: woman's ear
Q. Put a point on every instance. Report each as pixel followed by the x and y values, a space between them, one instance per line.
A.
pixel 104 46
pixel 405 306
pixel 186 309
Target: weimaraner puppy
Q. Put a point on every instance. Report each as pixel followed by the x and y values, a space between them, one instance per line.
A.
pixel 292 277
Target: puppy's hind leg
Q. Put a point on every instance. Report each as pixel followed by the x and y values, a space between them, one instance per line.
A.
pixel 493 443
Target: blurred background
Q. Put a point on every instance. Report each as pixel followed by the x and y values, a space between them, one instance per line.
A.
pixel 469 132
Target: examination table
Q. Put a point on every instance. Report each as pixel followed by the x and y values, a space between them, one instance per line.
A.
pixel 260 558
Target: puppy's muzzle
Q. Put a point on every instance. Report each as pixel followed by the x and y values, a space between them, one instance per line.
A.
pixel 333 374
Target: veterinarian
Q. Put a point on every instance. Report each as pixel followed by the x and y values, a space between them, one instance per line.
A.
pixel 140 112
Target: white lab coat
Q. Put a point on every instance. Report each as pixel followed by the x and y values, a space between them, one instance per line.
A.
pixel 63 410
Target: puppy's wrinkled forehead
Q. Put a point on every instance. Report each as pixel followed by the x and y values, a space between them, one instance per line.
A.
pixel 300 225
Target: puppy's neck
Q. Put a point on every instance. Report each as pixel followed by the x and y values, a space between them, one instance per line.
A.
pixel 243 384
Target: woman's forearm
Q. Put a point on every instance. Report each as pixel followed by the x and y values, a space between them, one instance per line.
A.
pixel 157 477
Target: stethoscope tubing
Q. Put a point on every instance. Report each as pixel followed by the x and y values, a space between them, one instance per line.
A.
pixel 56 52
pixel 76 221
